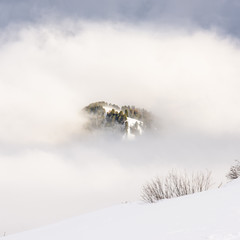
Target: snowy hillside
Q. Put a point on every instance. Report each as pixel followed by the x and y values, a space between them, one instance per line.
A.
pixel 212 215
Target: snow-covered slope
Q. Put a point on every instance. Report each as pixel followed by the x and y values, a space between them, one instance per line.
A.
pixel 131 123
pixel 212 215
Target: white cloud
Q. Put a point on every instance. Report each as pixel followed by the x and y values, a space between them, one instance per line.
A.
pixel 49 73
pixel 48 76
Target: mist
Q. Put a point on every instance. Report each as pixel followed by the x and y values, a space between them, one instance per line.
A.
pixel 51 169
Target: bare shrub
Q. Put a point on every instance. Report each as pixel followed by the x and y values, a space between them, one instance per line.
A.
pixel 175 185
pixel 234 171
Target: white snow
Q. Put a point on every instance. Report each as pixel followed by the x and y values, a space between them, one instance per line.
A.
pixel 131 123
pixel 211 215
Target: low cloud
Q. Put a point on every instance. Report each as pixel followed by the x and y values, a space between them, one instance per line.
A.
pixel 48 73
pixel 47 76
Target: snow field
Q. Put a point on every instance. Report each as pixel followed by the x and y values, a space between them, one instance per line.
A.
pixel 211 215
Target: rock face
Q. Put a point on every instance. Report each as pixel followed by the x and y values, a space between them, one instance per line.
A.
pixel 128 121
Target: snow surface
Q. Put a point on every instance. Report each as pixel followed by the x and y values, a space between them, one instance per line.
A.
pixel 131 123
pixel 212 215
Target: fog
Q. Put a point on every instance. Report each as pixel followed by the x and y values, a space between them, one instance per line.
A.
pixel 51 169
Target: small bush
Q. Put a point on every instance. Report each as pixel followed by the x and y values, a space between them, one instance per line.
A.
pixel 234 171
pixel 175 185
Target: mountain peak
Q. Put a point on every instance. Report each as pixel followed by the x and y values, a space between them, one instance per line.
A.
pixel 128 121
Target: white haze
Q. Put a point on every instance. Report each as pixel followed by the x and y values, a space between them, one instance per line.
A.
pixel 50 169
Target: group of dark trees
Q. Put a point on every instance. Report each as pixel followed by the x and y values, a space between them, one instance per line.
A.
pixel 117 117
pixel 114 117
pixel 96 115
pixel 96 106
pixel 140 114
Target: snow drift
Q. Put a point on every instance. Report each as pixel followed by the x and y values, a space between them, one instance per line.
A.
pixel 212 215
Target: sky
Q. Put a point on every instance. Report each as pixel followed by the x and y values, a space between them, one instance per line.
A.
pixel 181 62
pixel 221 14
